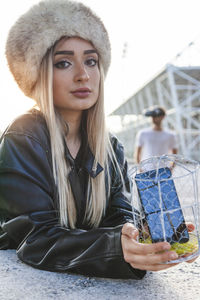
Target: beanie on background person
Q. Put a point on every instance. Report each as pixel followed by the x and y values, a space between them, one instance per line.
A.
pixel 155 111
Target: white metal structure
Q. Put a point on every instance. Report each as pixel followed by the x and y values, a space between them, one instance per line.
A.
pixel 175 88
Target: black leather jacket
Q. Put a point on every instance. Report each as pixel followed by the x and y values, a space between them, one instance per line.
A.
pixel 28 208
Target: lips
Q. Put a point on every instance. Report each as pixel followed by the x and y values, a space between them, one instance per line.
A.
pixel 81 93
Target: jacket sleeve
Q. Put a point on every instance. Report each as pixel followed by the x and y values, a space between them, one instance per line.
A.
pixel 29 219
pixel 120 209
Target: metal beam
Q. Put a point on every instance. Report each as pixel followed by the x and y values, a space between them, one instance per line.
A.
pixel 178 90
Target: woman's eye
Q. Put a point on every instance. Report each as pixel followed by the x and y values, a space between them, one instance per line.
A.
pixel 91 62
pixel 62 64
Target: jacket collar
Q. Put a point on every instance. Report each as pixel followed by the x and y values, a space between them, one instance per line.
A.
pixel 88 162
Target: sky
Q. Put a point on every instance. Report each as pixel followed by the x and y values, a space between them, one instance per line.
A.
pixel 145 35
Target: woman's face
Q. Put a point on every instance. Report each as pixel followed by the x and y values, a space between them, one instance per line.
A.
pixel 76 75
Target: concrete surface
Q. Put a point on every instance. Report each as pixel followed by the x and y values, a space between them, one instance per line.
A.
pixel 20 281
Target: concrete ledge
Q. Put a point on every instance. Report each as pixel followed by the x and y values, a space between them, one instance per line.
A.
pixel 19 281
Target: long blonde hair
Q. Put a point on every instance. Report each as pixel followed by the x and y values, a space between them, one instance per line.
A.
pixel 98 141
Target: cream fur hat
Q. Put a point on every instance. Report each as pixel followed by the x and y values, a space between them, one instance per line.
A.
pixel 45 23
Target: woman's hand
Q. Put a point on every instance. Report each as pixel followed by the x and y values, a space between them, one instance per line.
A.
pixel 190 228
pixel 149 257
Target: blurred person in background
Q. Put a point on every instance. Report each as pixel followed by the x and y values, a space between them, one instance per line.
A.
pixel 155 141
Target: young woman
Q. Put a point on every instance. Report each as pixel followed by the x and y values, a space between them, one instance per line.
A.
pixel 65 193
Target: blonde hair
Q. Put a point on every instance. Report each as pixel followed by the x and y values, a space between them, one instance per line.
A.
pixel 98 141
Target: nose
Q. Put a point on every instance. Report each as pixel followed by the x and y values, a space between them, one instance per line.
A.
pixel 81 74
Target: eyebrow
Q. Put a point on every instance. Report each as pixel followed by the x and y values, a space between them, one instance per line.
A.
pixel 67 52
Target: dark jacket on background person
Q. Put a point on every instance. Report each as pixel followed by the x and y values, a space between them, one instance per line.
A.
pixel 29 220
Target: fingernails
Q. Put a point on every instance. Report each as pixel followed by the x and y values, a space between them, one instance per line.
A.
pixel 133 232
pixel 173 255
pixel 166 247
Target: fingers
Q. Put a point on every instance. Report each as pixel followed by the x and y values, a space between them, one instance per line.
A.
pixel 136 253
pixel 130 231
pixel 190 226
pixel 191 260
pixel 157 267
pixel 145 256
pixel 152 259
pixel 145 249
pixel 152 248
pixel 149 257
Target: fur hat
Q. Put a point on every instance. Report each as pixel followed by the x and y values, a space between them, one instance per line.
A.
pixel 45 23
